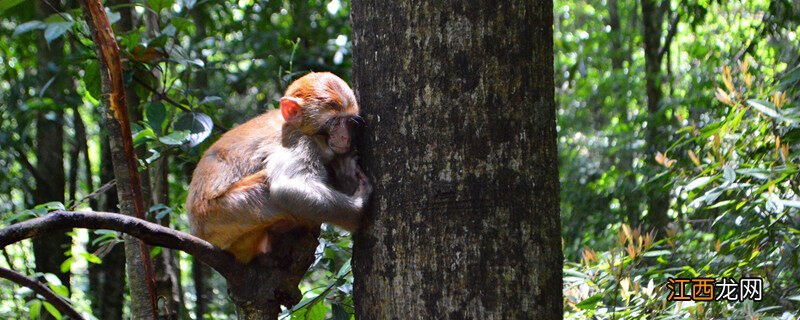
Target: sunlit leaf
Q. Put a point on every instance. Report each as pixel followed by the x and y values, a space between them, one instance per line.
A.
pixel 175 138
pixel 35 309
pixel 590 302
pixel 199 125
pixel 52 310
pixel 27 27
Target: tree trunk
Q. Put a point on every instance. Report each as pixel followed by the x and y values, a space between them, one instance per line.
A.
pixel 461 146
pixel 657 195
pixel 107 280
pixel 49 250
pixel 617 54
pixel 129 187
pixel 167 270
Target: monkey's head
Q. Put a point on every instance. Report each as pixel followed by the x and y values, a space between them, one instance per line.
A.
pixel 322 106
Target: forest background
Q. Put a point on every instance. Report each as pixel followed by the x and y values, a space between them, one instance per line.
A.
pixel 678 124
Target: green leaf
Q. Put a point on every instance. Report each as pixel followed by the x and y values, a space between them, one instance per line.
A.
pixel 50 206
pixel 91 79
pixel 765 107
pixel 315 311
pixel 8 4
pixel 143 136
pixel 345 269
pixel 56 27
pixel 175 138
pixel 199 125
pixel 35 309
pixel 60 290
pixel 52 310
pixel 91 258
pixel 156 113
pixel 158 5
pixel 159 211
pixel 696 183
pixel 66 265
pixel 155 251
pixel 183 25
pixel 657 253
pixel 22 216
pixel 760 174
pixel 27 27
pixel 590 302
pixel 52 279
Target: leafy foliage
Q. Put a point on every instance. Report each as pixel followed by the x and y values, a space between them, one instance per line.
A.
pixel 731 165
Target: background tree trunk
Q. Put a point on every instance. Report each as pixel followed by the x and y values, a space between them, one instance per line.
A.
pixel 107 280
pixel 461 146
pixel 657 196
pixel 49 250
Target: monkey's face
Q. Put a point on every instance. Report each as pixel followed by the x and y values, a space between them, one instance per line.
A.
pixel 339 131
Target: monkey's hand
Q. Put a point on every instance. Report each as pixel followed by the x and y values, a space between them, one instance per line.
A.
pixel 344 177
pixel 364 187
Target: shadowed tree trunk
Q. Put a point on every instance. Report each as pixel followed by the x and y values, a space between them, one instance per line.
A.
pixel 657 195
pixel 49 251
pixel 201 273
pixel 107 280
pixel 461 146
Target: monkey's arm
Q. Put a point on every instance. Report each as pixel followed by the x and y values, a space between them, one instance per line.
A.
pixel 311 199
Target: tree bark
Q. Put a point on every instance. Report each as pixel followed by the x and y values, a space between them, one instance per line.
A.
pixel 107 280
pixel 655 135
pixel 167 270
pixel 49 251
pixel 129 187
pixel 461 146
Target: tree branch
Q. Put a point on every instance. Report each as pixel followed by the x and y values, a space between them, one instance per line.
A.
pixel 23 160
pixel 673 29
pixel 146 231
pixel 56 300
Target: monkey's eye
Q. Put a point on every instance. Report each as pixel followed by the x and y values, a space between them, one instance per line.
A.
pixel 357 122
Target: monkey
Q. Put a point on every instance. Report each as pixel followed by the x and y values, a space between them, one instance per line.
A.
pixel 275 171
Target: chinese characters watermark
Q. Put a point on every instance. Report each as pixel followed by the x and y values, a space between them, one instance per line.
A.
pixel 708 289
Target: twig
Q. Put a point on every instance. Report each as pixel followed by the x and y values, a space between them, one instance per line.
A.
pixel 673 29
pixel 23 160
pixel 95 193
pixel 60 303
pixel 163 96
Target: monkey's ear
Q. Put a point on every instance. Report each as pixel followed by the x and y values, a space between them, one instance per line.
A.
pixel 291 111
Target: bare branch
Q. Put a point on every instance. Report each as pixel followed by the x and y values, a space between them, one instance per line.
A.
pixel 163 96
pixel 673 29
pixel 148 232
pixel 23 160
pixel 57 301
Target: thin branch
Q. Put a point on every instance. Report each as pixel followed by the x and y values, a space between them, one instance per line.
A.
pixel 146 231
pixel 94 194
pixel 163 96
pixel 23 160
pixel 673 29
pixel 54 299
